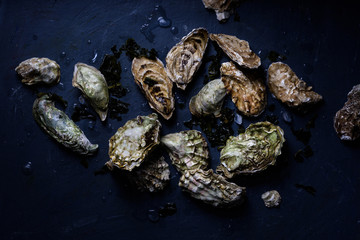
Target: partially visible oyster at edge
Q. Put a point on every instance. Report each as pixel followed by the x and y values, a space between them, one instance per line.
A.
pixel 222 8
pixel 271 198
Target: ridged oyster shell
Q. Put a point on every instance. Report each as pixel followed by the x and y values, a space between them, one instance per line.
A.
pixel 184 59
pixel 151 77
pixel 271 198
pixel 222 8
pixel 59 126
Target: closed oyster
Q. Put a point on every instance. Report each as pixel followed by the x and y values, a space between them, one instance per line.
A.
pixel 222 8
pixel 249 95
pixel 271 198
pixel 211 188
pixel 38 70
pixel 92 84
pixel 252 151
pixel 288 88
pixel 131 144
pixel 59 126
pixel 184 59
pixel 238 50
pixel 150 76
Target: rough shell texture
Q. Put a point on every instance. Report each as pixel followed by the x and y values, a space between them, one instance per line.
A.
pixel 132 142
pixel 211 188
pixel 347 119
pixel 38 70
pixel 271 198
pixel 59 126
pixel 249 95
pixel 222 8
pixel 238 50
pixel 151 77
pixel 252 151
pixel 288 88
pixel 184 59
pixel 93 85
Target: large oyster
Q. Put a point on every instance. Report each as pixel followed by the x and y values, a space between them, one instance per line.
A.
pixel 38 70
pixel 93 85
pixel 249 95
pixel 151 77
pixel 222 8
pixel 184 59
pixel 252 151
pixel 59 126
pixel 271 198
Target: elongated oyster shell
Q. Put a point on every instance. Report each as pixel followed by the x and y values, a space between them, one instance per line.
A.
pixel 211 188
pixel 38 70
pixel 271 198
pixel 59 126
pixel 184 59
pixel 252 151
pixel 93 85
pixel 222 8
pixel 151 77
pixel 249 95
pixel 130 145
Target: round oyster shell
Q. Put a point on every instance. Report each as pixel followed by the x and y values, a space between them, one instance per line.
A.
pixel 38 70
pixel 151 77
pixel 59 126
pixel 252 151
pixel 93 85
pixel 271 198
pixel 222 8
pixel 184 59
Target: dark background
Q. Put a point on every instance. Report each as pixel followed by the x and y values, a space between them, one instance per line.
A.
pixel 61 198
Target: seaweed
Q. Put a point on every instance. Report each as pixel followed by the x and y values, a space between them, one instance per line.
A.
pixel 133 50
pixel 117 107
pixel 81 112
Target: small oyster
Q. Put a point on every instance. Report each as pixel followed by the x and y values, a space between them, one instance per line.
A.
pixel 184 59
pixel 252 151
pixel 248 95
pixel 288 88
pixel 59 126
pixel 151 77
pixel 271 198
pixel 238 50
pixel 132 142
pixel 93 85
pixel 38 70
pixel 211 188
pixel 223 8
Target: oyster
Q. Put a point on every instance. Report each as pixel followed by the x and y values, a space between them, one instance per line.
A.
pixel 252 151
pixel 93 85
pixel 132 142
pixel 271 198
pixel 151 77
pixel 223 8
pixel 238 50
pixel 212 188
pixel 288 88
pixel 38 70
pixel 249 95
pixel 59 126
pixel 184 59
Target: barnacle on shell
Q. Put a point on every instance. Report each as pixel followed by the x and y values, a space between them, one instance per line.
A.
pixel 271 198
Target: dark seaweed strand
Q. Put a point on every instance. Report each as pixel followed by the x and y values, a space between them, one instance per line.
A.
pixel 133 50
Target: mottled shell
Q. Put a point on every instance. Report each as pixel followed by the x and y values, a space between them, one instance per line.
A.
pixel 252 151
pixel 271 198
pixel 288 88
pixel 93 85
pixel 38 70
pixel 249 95
pixel 151 77
pixel 184 59
pixel 238 50
pixel 222 8
pixel 59 126
pixel 212 188
pixel 131 144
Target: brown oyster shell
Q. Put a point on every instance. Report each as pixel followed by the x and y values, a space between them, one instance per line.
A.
pixel 222 8
pixel 271 198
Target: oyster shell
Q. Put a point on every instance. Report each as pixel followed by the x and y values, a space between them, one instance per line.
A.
pixel 38 70
pixel 184 59
pixel 59 126
pixel 92 84
pixel 288 88
pixel 252 151
pixel 131 144
pixel 211 188
pixel 150 76
pixel 271 198
pixel 248 95
pixel 238 50
pixel 223 8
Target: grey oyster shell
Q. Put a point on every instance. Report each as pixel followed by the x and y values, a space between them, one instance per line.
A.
pixel 38 70
pixel 131 144
pixel 212 188
pixel 271 198
pixel 59 126
pixel 93 85
pixel 184 59
pixel 252 151
pixel 222 8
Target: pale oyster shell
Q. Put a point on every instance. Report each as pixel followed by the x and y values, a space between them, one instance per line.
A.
pixel 271 198
pixel 222 8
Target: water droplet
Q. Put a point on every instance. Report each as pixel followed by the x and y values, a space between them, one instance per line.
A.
pixel 287 117
pixel 63 54
pixel 174 30
pixel 163 22
pixel 95 57
pixel 308 69
pixel 81 100
pixel 238 119
pixel 153 215
pixel 27 168
pixel 89 41
pixel 91 125
pixel 110 192
pixel 103 198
